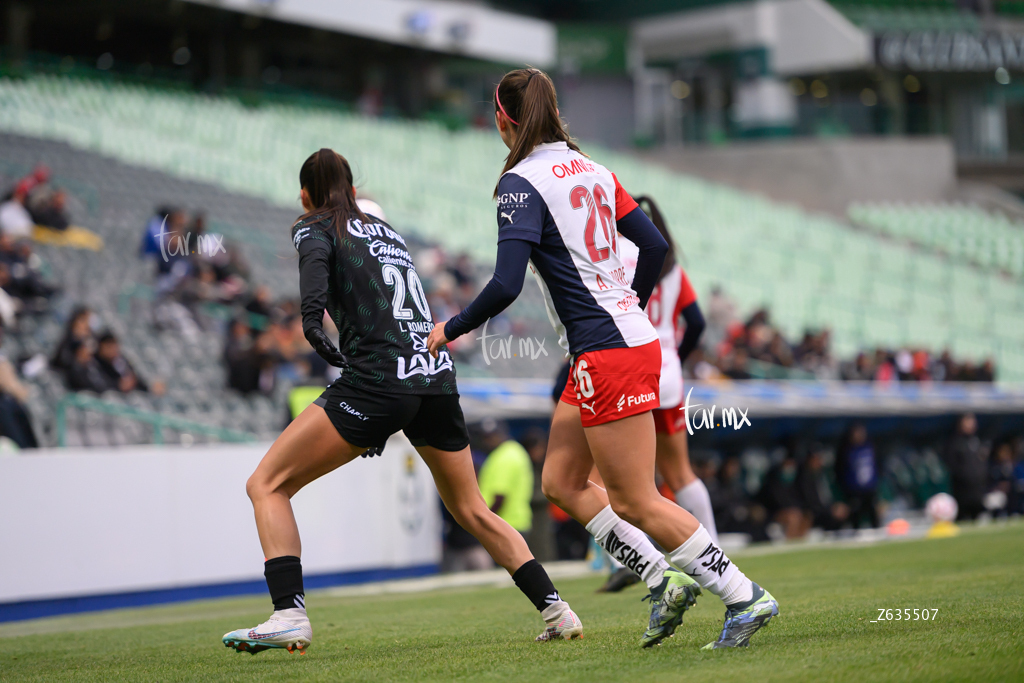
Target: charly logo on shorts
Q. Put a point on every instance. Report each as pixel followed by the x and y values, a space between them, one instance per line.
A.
pixel 352 411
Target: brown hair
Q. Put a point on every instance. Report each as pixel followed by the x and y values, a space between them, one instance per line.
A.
pixel 327 178
pixel 651 209
pixel 527 99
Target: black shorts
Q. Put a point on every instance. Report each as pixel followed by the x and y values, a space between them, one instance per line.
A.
pixel 366 419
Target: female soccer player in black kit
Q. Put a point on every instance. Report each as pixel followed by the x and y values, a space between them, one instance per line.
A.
pixel 358 268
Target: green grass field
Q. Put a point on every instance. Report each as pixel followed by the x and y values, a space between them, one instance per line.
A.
pixel 828 596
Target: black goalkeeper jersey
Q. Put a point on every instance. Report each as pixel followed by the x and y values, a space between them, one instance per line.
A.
pixel 368 284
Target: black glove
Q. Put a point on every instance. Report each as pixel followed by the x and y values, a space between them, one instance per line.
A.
pixel 324 348
pixel 373 451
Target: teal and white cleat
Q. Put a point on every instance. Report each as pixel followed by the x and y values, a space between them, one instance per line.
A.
pixel 286 629
pixel 676 594
pixel 740 625
pixel 562 624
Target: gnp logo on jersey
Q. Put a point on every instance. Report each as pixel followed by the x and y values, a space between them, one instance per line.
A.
pixel 512 198
pixel 637 400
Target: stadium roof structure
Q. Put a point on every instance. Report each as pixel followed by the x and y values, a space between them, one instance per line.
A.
pixel 465 29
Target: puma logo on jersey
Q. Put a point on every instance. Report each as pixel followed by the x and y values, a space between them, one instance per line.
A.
pixel 508 215
pixel 590 407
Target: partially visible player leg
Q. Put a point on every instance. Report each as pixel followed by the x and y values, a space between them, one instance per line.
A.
pixel 673 461
pixel 456 482
pixel 566 482
pixel 624 453
pixel 308 449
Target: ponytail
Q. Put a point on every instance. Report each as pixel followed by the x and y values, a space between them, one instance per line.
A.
pixel 651 209
pixel 527 99
pixel 327 178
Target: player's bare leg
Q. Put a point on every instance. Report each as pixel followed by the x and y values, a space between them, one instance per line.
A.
pixel 456 482
pixel 673 462
pixel 309 448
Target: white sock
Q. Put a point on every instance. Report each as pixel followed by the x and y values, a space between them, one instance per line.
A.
pixel 703 560
pixel 694 499
pixel 628 545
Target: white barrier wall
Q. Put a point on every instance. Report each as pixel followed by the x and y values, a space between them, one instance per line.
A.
pixel 77 522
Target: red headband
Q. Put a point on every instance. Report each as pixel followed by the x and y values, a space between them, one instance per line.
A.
pixel 498 100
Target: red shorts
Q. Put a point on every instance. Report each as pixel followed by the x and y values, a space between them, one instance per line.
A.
pixel 611 384
pixel 669 420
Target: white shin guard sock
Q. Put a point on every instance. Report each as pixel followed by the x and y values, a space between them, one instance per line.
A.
pixel 628 545
pixel 694 499
pixel 704 561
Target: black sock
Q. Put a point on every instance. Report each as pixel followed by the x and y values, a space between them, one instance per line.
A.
pixel 536 585
pixel 284 579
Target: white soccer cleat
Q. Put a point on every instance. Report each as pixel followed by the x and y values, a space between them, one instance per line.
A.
pixel 563 624
pixel 286 629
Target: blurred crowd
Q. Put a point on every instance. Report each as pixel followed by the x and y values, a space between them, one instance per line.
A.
pixel 745 349
pixel 783 494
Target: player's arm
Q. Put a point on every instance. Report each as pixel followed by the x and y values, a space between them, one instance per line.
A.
pixel 634 224
pixel 499 293
pixel 688 309
pixel 314 277
pixel 521 212
pixel 694 329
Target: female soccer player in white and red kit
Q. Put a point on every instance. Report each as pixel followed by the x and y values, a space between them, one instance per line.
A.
pixel 559 213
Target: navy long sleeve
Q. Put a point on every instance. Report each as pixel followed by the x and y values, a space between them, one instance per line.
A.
pixel 694 328
pixel 505 285
pixel 639 230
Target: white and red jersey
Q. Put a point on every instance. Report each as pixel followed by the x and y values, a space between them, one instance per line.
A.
pixel 671 295
pixel 567 207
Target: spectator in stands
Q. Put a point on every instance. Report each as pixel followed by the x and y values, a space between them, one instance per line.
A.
pixel 156 225
pixel 736 365
pixel 506 478
pixel 84 373
pixel 816 492
pixel 987 371
pixel 735 512
pixel 77 330
pixel 48 207
pixel 781 496
pixel 119 373
pixel 260 302
pixel 172 257
pixel 22 278
pixel 15 221
pixel 1001 479
pixel 14 419
pixel 966 459
pixel 857 470
pixel 249 360
pixel 721 314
